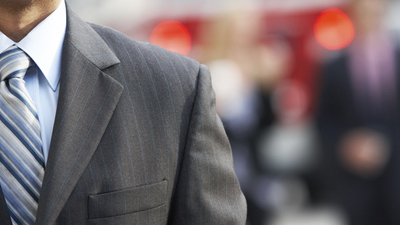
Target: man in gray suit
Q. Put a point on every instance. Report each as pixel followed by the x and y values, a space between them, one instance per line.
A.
pixel 129 131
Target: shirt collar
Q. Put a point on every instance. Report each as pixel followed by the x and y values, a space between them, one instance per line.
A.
pixel 44 44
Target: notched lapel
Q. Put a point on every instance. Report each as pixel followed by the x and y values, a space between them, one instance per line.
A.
pixel 87 100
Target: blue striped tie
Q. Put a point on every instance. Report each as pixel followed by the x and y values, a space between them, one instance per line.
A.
pixel 21 157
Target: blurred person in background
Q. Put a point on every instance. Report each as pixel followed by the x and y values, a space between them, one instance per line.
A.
pixel 288 148
pixel 358 120
pixel 237 59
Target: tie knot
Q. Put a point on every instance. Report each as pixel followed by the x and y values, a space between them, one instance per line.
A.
pixel 13 63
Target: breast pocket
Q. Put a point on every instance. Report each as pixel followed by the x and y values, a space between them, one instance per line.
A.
pixel 119 203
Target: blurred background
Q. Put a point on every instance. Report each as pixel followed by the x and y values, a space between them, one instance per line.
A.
pixel 308 93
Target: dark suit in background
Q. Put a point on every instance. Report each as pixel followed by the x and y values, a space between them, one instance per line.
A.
pixel 367 201
pixel 136 138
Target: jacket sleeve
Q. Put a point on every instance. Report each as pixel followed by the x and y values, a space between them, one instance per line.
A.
pixel 207 190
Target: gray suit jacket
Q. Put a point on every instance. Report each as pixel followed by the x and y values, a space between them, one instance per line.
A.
pixel 136 138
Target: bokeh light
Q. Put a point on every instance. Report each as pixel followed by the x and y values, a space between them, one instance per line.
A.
pixel 333 29
pixel 173 36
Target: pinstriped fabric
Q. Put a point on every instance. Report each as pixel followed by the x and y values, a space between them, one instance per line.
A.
pixel 136 138
pixel 21 157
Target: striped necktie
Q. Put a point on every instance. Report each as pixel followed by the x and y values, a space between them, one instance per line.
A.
pixel 21 157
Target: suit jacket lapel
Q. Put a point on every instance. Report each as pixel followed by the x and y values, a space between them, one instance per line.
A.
pixel 86 103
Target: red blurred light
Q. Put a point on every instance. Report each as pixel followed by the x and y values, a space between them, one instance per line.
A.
pixel 333 29
pixel 172 36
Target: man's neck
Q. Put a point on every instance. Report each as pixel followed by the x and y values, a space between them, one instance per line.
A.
pixel 18 19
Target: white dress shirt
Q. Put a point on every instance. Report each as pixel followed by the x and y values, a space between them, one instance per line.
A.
pixel 44 45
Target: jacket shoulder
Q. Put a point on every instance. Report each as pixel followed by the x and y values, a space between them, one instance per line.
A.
pixel 129 50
